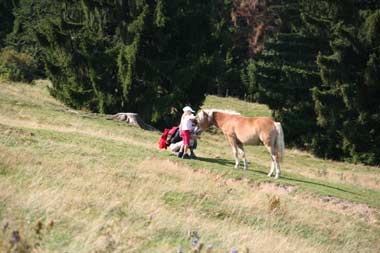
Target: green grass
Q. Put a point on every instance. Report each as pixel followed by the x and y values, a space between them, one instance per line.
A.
pixel 109 188
pixel 229 103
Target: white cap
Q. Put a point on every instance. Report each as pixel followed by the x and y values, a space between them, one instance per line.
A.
pixel 188 108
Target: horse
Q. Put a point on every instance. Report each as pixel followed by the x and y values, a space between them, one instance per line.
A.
pixel 241 130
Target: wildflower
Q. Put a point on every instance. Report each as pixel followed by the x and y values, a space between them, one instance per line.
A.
pixel 15 237
pixel 50 225
pixel 38 227
pixel 5 226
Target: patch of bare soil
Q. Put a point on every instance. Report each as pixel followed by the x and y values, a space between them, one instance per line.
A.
pixel 9 131
pixel 277 189
pixel 266 187
pixel 360 211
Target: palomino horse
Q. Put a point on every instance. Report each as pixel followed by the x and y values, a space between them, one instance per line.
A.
pixel 241 130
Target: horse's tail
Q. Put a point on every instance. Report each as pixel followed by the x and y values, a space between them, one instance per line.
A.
pixel 280 143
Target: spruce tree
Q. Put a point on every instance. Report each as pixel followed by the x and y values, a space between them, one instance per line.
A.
pixel 6 18
pixel 227 51
pixel 150 57
pixel 347 104
pixel 283 74
pixel 27 15
pixel 320 75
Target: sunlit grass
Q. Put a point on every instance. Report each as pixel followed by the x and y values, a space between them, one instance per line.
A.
pixel 109 188
pixel 229 103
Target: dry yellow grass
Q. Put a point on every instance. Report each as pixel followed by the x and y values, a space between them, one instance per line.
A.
pixel 108 188
pixel 300 163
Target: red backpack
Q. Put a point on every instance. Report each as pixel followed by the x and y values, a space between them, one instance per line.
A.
pixel 162 142
pixel 171 133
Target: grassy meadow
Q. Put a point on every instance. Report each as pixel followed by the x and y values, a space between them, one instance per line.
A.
pixel 72 181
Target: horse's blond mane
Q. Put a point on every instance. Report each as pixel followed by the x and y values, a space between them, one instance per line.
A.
pixel 210 111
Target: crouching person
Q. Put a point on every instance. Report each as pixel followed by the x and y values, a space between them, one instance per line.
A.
pixel 176 147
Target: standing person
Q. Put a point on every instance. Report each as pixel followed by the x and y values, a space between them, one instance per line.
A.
pixel 186 127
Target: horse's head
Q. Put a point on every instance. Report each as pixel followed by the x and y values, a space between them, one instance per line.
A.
pixel 203 120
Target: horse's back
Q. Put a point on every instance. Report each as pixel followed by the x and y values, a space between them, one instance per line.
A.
pixel 247 130
pixel 254 130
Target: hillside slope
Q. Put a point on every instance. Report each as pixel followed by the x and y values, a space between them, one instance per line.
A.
pixel 108 188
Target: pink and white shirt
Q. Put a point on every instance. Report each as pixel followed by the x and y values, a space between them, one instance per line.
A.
pixel 187 123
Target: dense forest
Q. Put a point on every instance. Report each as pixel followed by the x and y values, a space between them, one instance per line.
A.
pixel 316 64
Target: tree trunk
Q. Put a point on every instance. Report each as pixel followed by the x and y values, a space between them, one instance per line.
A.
pixel 132 119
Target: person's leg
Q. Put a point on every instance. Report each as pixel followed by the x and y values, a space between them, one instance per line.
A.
pixel 186 143
pixel 192 154
pixel 193 145
pixel 185 148
pixel 180 153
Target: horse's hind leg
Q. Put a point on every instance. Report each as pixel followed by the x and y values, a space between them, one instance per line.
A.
pixel 273 159
pixel 278 168
pixel 273 165
pixel 242 152
pixel 234 147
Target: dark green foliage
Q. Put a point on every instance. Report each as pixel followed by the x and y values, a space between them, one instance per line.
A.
pixel 139 56
pixel 320 75
pixel 347 104
pixel 227 52
pixel 26 16
pixel 282 75
pixel 6 19
pixel 18 67
pixel 315 63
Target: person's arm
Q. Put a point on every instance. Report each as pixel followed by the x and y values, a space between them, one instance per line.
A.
pixel 180 124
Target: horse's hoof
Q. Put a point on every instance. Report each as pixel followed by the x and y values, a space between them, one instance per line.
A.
pixel 269 175
pixel 277 177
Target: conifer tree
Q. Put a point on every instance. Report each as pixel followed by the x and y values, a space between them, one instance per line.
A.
pixel 27 15
pixel 320 75
pixel 228 51
pixel 347 104
pixel 6 19
pixel 150 57
pixel 282 75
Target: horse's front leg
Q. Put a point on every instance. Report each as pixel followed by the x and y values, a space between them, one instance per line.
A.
pixel 236 155
pixel 234 147
pixel 242 153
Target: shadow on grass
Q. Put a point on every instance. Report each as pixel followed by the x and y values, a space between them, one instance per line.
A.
pixel 319 184
pixel 220 161
pixel 297 181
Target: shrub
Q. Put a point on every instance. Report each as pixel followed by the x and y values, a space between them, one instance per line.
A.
pixel 15 66
pixel 274 204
